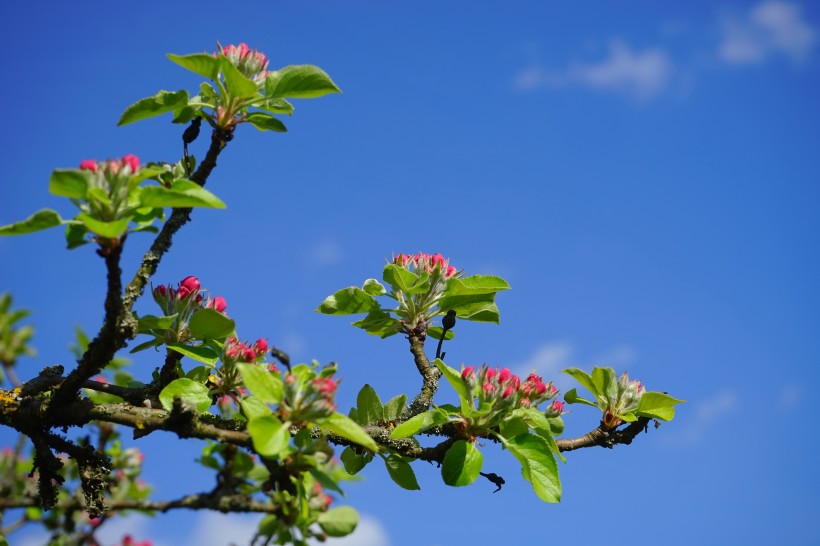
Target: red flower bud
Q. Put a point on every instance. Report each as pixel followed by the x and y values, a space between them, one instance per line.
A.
pixel 490 374
pixel 182 292
pixel 132 161
pixel 451 270
pixel 507 392
pixel 504 375
pixel 218 304
pixel 191 283
pixel 88 165
pixel 261 345
pixel 248 355
pixel 540 388
pixel 467 372
pixel 489 389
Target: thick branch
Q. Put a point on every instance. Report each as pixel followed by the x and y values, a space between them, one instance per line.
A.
pixel 200 501
pixel 429 374
pixel 605 438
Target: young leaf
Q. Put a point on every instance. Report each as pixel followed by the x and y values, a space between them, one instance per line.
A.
pixel 354 462
pixel 266 122
pixel 394 407
pixel 374 287
pixel 583 378
pixel 606 382
pixel 571 397
pixel 538 465
pixel 435 333
pixel 239 86
pixel 42 219
pixel 71 183
pixel 339 522
pixel 270 436
pixel 253 407
pixel 379 323
pixel 475 284
pixel 454 378
pixel 401 472
pixel 462 464
pixel 189 391
pixel 420 423
pixel 109 230
pixel 146 323
pixel 263 384
pixel 182 193
pixel 345 427
pixel 162 102
pixel 475 307
pixel 657 405
pixel 210 324
pixel 200 354
pixel 198 63
pixel 299 81
pixel 368 406
pixel 348 301
pixel 408 282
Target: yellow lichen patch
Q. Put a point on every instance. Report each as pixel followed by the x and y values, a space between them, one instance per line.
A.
pixel 7 397
pixel 140 425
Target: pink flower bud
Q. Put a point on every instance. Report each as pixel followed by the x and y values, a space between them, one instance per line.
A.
pixel 182 292
pixel 248 355
pixel 160 291
pixel 451 270
pixel 490 374
pixel 132 161
pixel 555 409
pixel 489 389
pixel 504 375
pixel 467 372
pixel 540 388
pixel 261 345
pixel 218 304
pixel 533 378
pixel 437 260
pixel 507 392
pixel 88 165
pixel 191 283
pixel 232 352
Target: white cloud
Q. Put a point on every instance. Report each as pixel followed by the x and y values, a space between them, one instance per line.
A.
pixel 768 29
pixel 639 74
pixel 550 358
pixel 369 532
pixel 217 529
pixel 704 414
pixel 325 253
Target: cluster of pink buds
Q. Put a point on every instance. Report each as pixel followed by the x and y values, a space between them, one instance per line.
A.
pixel 127 540
pixel 308 401
pixel 426 262
pixel 252 63
pixel 236 351
pixel 187 294
pixel 504 389
pixel 629 393
pixel 318 499
pixel 128 165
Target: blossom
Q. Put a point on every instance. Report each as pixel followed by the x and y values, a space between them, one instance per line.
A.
pixel 250 62
pixel 217 304
pixel 261 345
pixel 88 165
pixel 191 283
pixel 132 161
pixel 555 409
pixel 467 372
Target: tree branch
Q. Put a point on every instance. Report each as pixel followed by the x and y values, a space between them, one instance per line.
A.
pixel 200 501
pixel 429 374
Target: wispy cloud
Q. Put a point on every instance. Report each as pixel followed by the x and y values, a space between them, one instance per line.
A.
pixel 768 29
pixel 550 358
pixel 325 253
pixel 704 414
pixel 638 74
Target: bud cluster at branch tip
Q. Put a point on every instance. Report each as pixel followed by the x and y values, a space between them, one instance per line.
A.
pixel 251 63
pixel 426 262
pixel 502 389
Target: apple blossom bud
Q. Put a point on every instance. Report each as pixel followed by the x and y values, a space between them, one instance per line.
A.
pixel 248 355
pixel 466 372
pixel 489 389
pixel 507 392
pixel 191 283
pixel 555 409
pixel 218 304
pixel 132 161
pixel 88 165
pixel 504 375
pixel 261 345
pixel 451 270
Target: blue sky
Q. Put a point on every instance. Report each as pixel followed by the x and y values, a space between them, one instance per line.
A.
pixel 645 176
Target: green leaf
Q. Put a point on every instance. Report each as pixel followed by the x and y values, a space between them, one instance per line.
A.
pixel 538 465
pixel 42 219
pixel 266 122
pixel 374 287
pixel 299 81
pixel 239 86
pixel 420 423
pixel 339 522
pixel 72 183
pixel 147 345
pixel 151 322
pixel 368 406
pixel 198 63
pixel 270 436
pixel 606 381
pixel 475 284
pixel 394 407
pixel 264 384
pixel 348 301
pixel 325 480
pixel 199 374
pixel 189 391
pixel 182 194
pixel 462 464
pixel 379 323
pixel 657 405
pixel 401 472
pixel 200 354
pixel 345 427
pixel 109 230
pixel 253 407
pixel 276 106
pixel 408 282
pixel 435 333
pixel 583 378
pixel 353 462
pixel 571 397
pixel 475 307
pixel 210 324
pixel 453 377
pixel 75 235
pixel 162 102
